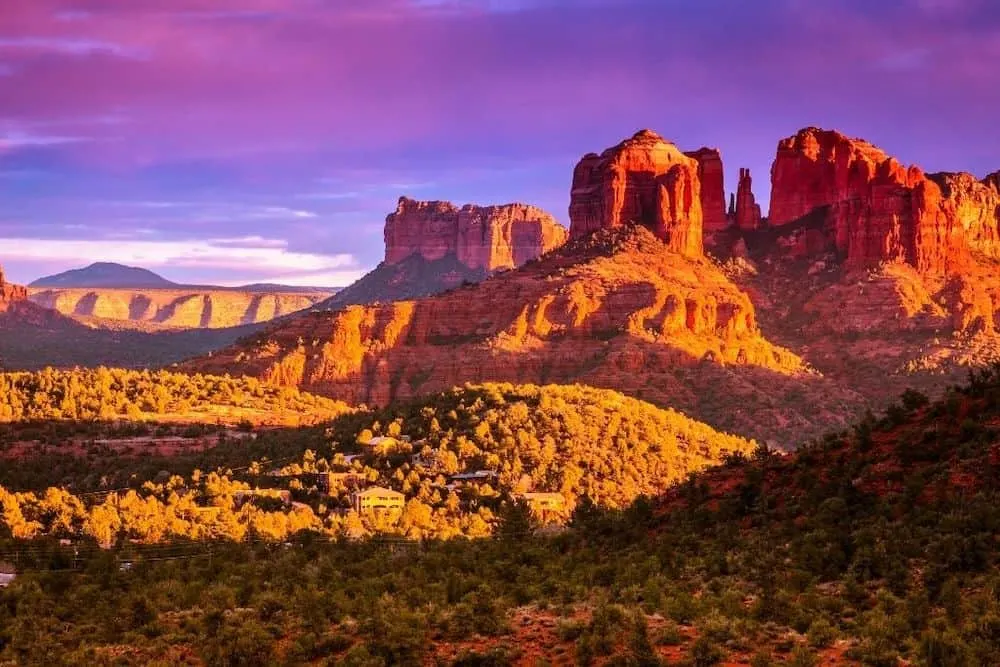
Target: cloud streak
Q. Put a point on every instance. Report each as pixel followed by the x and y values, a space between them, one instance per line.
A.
pixel 246 259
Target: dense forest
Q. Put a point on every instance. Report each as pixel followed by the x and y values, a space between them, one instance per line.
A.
pixel 580 443
pixel 869 547
pixel 113 394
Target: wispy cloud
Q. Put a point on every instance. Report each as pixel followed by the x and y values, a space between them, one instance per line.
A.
pixel 252 257
pixel 74 46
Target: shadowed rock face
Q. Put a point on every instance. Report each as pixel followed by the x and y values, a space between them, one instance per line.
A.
pixel 487 238
pixel 713 189
pixel 10 293
pixel 876 210
pixel 644 180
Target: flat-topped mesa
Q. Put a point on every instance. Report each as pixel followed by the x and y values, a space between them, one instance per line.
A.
pixel 873 209
pixel 713 189
pixel 10 293
pixel 481 237
pixel 746 210
pixel 644 180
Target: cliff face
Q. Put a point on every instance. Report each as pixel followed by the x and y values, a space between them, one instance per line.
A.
pixel 177 308
pixel 10 293
pixel 873 209
pixel 645 180
pixel 489 238
pixel 713 189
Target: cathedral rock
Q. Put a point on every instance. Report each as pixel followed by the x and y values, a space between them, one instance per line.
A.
pixel 645 180
pixel 489 238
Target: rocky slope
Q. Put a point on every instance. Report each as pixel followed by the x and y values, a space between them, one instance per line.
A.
pixel 176 308
pixel 613 309
pixel 434 246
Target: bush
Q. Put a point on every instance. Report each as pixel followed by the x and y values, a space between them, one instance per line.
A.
pixel 705 653
pixel 821 634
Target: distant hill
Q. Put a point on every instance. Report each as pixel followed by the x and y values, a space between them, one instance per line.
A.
pixel 114 275
pixel 107 293
pixel 105 274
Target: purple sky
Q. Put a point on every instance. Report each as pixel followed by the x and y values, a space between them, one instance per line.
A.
pixel 242 140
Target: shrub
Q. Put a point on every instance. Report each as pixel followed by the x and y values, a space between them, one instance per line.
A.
pixel 821 634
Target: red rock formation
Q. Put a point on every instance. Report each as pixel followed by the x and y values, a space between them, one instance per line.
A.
pixel 612 309
pixel 874 209
pixel 488 238
pixel 747 210
pixel 644 180
pixel 713 189
pixel 10 293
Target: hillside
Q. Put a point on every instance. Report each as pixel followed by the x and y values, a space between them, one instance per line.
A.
pixel 575 443
pixel 874 546
pixel 179 307
pixel 105 274
pixel 115 394
pixel 614 310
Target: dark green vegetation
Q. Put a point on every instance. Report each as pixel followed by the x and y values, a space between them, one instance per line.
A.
pixel 865 547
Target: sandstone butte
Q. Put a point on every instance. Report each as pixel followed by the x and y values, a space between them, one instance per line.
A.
pixel 487 238
pixel 174 308
pixel 434 246
pixel 645 180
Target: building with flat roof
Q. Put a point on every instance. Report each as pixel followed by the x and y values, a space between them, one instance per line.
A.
pixel 377 499
pixel 543 505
